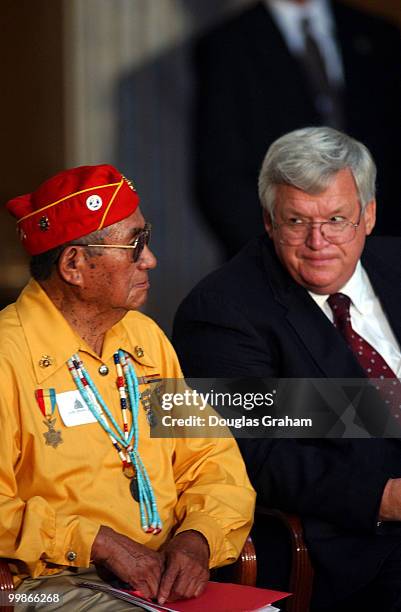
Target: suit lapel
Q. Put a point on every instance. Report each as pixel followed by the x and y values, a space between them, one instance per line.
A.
pixel 285 72
pixel 386 281
pixel 321 340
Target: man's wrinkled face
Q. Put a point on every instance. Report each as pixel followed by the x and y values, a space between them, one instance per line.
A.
pixel 318 265
pixel 113 279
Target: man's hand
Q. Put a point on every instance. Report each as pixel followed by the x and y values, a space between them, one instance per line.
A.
pixel 187 567
pixel 390 507
pixel 133 563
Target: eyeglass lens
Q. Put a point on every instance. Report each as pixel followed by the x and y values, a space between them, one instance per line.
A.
pixel 142 240
pixel 336 233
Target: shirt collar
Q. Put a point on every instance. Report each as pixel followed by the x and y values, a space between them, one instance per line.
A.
pixel 358 288
pixel 288 16
pixel 50 339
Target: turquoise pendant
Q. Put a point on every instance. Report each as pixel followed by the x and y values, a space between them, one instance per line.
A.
pixel 134 489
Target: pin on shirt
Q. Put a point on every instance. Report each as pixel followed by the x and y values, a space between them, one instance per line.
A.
pixel 47 403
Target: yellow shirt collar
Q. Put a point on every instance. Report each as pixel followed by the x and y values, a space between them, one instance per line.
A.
pixel 50 339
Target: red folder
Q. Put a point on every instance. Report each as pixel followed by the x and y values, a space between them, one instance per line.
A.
pixel 220 596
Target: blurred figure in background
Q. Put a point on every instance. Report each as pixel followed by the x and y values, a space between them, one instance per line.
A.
pixel 281 65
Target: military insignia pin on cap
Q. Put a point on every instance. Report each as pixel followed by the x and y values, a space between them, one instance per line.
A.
pixel 72 204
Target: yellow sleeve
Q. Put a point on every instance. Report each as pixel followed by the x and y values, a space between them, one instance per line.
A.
pixel 30 529
pixel 215 496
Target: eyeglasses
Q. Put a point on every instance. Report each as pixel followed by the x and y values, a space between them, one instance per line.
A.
pixel 335 232
pixel 142 239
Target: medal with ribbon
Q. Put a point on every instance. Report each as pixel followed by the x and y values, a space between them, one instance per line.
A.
pixel 47 402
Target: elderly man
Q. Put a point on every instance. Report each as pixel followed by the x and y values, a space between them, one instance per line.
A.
pixel 314 298
pixel 82 481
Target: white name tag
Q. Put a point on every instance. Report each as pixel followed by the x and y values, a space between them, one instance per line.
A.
pixel 73 409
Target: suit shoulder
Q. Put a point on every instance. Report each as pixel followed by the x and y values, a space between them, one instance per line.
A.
pixel 241 283
pixel 384 244
pixel 238 26
pixel 362 22
pixel 386 247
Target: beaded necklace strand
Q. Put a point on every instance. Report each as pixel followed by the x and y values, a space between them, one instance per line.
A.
pixel 124 440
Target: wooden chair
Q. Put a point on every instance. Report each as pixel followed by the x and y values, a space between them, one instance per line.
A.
pixel 243 572
pixel 6 586
pixel 301 572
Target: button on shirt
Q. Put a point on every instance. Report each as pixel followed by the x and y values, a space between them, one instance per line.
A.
pixel 367 317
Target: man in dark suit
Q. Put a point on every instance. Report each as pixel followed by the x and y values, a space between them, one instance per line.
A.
pixel 276 310
pixel 258 78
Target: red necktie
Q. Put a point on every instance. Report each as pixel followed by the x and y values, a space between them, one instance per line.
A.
pixel 369 359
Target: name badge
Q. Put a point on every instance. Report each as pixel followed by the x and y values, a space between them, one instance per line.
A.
pixel 73 410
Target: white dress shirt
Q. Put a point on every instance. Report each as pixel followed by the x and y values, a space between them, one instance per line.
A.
pixel 288 17
pixel 367 317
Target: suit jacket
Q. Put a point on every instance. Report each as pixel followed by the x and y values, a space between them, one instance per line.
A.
pixel 251 90
pixel 250 319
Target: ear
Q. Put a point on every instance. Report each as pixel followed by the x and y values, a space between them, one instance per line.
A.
pixel 71 265
pixel 267 221
pixel 370 216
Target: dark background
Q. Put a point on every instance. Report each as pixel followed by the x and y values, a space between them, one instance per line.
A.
pixel 152 106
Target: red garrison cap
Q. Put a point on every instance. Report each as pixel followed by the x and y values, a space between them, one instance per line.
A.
pixel 72 204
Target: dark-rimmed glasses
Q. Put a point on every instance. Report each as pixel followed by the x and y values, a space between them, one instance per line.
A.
pixel 335 232
pixel 141 240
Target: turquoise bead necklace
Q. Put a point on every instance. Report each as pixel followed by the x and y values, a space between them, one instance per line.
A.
pixel 124 440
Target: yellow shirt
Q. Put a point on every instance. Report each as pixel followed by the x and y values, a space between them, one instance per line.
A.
pixel 53 500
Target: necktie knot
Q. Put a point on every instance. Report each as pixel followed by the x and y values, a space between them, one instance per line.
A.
pixel 340 305
pixel 306 26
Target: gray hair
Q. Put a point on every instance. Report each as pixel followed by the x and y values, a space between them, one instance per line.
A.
pixel 42 265
pixel 309 158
